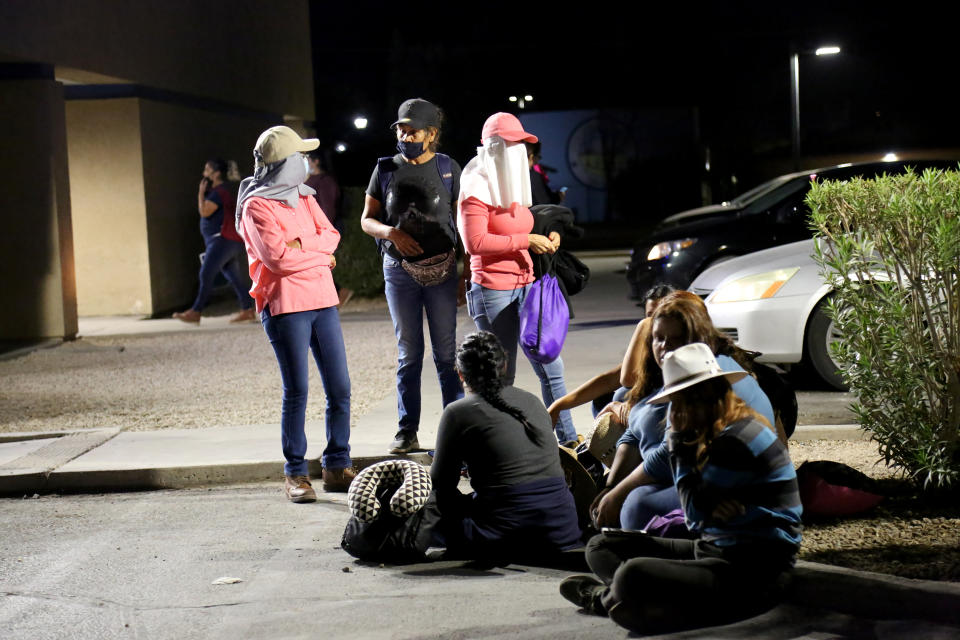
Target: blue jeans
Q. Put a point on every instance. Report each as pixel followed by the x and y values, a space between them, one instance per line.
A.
pixel 499 312
pixel 408 300
pixel 647 501
pixel 292 335
pixel 227 257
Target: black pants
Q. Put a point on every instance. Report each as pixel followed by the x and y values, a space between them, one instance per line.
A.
pixel 657 585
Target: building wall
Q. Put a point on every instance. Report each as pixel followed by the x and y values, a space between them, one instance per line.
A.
pixel 246 52
pixel 109 209
pixel 35 242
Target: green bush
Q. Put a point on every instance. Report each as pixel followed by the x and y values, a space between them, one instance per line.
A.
pixel 358 261
pixel 890 248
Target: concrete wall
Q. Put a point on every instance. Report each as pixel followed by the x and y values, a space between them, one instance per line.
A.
pixel 109 209
pixel 39 292
pixel 246 52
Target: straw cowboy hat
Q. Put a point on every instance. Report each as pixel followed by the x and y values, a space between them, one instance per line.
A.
pixel 689 365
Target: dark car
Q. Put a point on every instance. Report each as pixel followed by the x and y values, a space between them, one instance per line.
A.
pixel 774 213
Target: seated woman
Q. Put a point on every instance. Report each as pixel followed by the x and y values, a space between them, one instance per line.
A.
pixel 739 494
pixel 613 384
pixel 639 486
pixel 520 503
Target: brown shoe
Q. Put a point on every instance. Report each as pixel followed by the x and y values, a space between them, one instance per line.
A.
pixel 190 316
pixel 299 489
pixel 245 315
pixel 338 480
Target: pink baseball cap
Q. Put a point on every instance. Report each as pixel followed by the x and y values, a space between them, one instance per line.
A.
pixel 507 126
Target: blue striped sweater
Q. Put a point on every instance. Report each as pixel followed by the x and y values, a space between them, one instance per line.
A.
pixel 746 463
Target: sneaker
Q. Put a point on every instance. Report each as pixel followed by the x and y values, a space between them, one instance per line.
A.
pixel 299 489
pixel 189 316
pixel 338 480
pixel 404 442
pixel 585 592
pixel 244 315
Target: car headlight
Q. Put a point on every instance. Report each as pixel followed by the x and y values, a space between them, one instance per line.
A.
pixel 664 249
pixel 756 287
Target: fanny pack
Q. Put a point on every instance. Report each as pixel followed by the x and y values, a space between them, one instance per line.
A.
pixel 433 270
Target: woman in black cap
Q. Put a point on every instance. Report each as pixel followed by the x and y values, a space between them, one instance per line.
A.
pixel 409 209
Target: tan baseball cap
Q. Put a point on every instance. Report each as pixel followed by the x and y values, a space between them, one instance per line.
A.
pixel 276 143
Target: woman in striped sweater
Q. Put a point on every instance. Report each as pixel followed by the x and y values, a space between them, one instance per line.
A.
pixel 738 490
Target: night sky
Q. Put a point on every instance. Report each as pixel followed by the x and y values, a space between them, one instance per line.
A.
pixel 888 89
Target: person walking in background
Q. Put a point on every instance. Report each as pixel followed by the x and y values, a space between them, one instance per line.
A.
pixel 328 197
pixel 290 245
pixel 495 224
pixel 216 204
pixel 409 210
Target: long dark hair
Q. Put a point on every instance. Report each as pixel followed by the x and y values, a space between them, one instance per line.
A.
pixel 480 361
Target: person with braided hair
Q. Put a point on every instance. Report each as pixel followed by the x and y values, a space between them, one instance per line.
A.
pixel 521 505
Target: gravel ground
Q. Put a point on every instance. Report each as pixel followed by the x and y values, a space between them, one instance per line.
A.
pixel 164 381
pixel 181 380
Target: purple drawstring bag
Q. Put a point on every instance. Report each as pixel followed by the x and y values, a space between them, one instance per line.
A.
pixel 544 319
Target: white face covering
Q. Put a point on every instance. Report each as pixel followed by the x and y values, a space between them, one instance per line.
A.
pixel 503 174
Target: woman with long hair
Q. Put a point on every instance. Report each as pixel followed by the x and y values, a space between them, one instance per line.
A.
pixel 216 204
pixel 639 485
pixel 290 245
pixel 521 504
pixel 739 495
pixel 495 223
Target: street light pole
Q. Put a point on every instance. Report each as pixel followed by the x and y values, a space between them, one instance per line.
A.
pixel 795 107
pixel 795 97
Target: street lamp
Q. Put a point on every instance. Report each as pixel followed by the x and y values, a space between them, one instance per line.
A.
pixel 521 100
pixel 795 96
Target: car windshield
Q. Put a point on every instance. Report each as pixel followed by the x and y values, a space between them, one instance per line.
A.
pixel 749 196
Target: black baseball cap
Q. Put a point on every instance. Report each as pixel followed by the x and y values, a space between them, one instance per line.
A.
pixel 418 113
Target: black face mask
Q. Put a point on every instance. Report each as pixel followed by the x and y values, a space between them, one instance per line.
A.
pixel 410 150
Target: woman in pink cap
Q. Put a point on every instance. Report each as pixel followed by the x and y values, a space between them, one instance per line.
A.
pixel 494 220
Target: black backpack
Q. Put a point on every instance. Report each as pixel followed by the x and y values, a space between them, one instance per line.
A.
pixel 387 166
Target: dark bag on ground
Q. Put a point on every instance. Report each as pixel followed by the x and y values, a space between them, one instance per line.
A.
pixel 389 538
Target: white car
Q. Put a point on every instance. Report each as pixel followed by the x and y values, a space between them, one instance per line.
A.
pixel 773 301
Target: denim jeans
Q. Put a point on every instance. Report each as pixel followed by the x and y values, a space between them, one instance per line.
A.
pixel 646 502
pixel 227 257
pixel 499 312
pixel 408 300
pixel 292 335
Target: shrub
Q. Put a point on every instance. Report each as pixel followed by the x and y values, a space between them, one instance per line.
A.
pixel 890 248
pixel 358 261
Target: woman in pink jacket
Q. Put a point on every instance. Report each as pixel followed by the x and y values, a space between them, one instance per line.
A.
pixel 290 245
pixel 495 223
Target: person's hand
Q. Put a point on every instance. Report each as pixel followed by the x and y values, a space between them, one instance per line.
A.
pixel 608 509
pixel 727 510
pixel 404 242
pixel 204 185
pixel 554 411
pixel 619 411
pixel 595 504
pixel 540 244
pixel 333 262
pixel 294 244
pixel 554 238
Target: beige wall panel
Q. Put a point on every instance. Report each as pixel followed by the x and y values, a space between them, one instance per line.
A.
pixel 34 214
pixel 109 212
pixel 177 141
pixel 249 52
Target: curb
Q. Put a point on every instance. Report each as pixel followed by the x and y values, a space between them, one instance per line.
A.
pixel 31 481
pixel 866 594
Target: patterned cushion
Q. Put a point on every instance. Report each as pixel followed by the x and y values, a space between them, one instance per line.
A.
pixel 415 487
